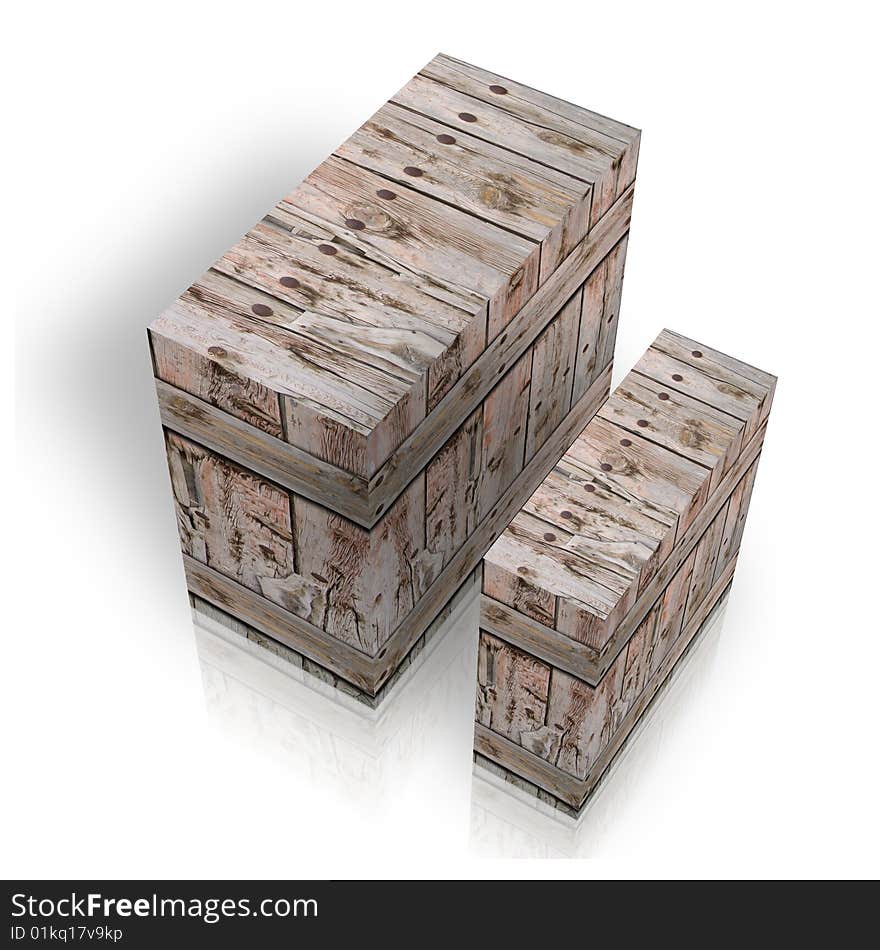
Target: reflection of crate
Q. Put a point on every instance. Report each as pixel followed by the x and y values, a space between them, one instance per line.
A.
pixel 360 394
pixel 598 585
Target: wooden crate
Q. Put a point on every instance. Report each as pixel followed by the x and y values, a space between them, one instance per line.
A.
pixel 361 393
pixel 609 571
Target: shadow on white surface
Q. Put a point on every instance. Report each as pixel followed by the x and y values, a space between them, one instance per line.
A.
pixel 507 822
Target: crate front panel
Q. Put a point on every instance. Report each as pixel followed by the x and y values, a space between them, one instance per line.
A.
pixel 566 721
pixel 359 585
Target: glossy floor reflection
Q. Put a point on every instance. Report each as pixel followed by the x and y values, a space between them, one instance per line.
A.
pixel 415 747
pixel 409 761
pixel 507 822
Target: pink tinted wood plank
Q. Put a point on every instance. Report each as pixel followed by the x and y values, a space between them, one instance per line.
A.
pixel 552 375
pixel 424 235
pixel 677 422
pixel 488 86
pixel 490 183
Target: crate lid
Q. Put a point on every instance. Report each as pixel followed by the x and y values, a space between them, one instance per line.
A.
pixel 685 422
pixel 341 322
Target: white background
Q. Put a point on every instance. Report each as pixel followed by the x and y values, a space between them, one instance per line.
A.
pixel 144 140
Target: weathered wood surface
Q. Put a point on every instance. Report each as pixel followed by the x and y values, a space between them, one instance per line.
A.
pixel 341 321
pixel 321 633
pixel 382 369
pixel 622 547
pixel 565 786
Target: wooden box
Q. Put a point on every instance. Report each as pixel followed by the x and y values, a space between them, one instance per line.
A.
pixel 599 584
pixel 361 393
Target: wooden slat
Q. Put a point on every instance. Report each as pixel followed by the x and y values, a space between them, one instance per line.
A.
pixel 565 786
pixel 481 81
pixel 476 176
pixel 427 236
pixel 353 664
pixel 508 347
pixel 553 374
pixel 652 411
pixel 590 664
pixel 264 454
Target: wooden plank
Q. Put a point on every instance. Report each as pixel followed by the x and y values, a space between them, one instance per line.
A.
pixel 331 547
pixel 227 517
pixel 334 555
pixel 588 349
pixel 265 455
pixel 366 286
pixel 423 444
pixel 468 556
pixel 505 416
pixel 519 594
pixel 552 374
pixel 511 688
pixel 488 182
pixel 425 235
pixel 302 636
pixel 452 480
pixel 447 93
pixel 588 663
pixel 487 86
pixel 681 377
pixel 623 462
pixel 651 411
pixel 563 785
pixel 705 560
pixel 720 367
pixel 212 382
pixel 611 299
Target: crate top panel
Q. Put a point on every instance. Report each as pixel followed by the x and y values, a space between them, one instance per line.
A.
pixel 609 514
pixel 366 293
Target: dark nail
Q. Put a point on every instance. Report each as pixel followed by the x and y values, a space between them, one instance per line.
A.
pixel 413 171
pixel 498 90
pixel 289 282
pixel 467 117
pixel 327 249
pixel 355 224
pixel 261 310
pixel 386 194
pixel 626 443
pixel 445 139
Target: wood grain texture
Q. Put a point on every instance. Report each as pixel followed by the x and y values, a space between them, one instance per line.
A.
pixel 333 603
pixel 564 786
pixel 387 360
pixel 627 541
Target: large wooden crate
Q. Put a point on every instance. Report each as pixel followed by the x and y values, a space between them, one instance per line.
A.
pixel 600 583
pixel 362 392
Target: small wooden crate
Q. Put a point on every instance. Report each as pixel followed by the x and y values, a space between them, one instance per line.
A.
pixel 361 393
pixel 599 584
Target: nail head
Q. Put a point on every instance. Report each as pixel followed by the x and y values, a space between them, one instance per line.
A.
pixel 328 249
pixel 289 282
pixel 386 194
pixel 445 139
pixel 549 537
pixel 413 172
pixel 626 443
pixel 697 353
pixel 261 310
pixel 677 377
pixel 643 423
pixel 355 224
pixel 467 117
pixel 498 90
